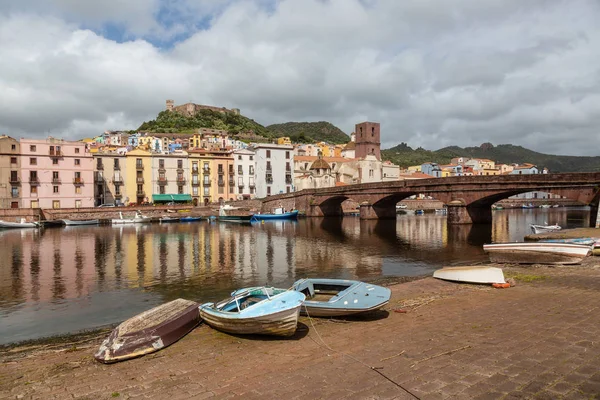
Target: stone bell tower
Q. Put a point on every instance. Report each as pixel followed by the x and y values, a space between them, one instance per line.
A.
pixel 368 140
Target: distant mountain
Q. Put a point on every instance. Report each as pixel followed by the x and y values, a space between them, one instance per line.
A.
pixel 405 156
pixel 308 132
pixel 173 122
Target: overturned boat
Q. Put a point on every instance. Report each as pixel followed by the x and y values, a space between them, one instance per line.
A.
pixel 256 310
pixel 537 253
pixel 471 274
pixel 545 228
pixel 149 331
pixel 340 297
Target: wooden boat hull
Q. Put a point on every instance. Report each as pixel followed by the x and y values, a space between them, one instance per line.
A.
pixel 471 274
pixel 349 297
pixel 267 217
pixel 537 253
pixel 149 331
pixel 545 229
pixel 283 323
pixel 71 222
pixel 17 225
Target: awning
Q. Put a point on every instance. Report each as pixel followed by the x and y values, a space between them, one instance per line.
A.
pixel 171 197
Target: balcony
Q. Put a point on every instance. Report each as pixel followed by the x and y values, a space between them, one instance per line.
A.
pixel 117 167
pixel 206 184
pixel 221 172
pixel 56 181
pixel 117 180
pixel 100 167
pixel 180 170
pixel 162 169
pixel 194 171
pixel 288 179
pixel 77 181
pixel 206 171
pixel 252 185
pixel 231 182
pixel 139 180
pixel 269 169
pixel 162 181
pixel 118 196
pixel 34 180
pixel 99 177
pixel 269 178
pixel 180 180
pixel 231 172
pixel 139 167
pixel 140 193
pixel 195 183
pixel 241 185
pixel 55 153
pixel 14 180
pixel 221 183
pixel 240 172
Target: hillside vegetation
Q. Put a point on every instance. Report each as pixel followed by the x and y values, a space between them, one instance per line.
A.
pixel 405 156
pixel 309 132
pixel 172 122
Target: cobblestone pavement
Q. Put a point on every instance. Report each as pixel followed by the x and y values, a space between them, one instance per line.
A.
pixel 436 340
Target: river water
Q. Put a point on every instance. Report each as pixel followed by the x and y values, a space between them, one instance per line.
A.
pixel 63 280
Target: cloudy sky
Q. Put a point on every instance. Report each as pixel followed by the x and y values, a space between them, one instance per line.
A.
pixel 433 72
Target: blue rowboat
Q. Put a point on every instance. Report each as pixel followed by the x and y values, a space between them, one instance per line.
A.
pixel 256 310
pixel 340 297
pixel 190 219
pixel 285 215
pixel 584 241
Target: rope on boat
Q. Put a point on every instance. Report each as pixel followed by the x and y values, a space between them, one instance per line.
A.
pixel 376 369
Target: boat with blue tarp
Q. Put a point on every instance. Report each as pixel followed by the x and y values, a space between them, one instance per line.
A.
pixel 278 213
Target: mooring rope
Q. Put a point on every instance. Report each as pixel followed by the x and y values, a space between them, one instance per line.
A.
pixel 376 369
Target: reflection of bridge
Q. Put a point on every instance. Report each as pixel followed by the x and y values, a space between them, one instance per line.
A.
pixel 468 198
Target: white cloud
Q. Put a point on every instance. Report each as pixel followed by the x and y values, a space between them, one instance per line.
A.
pixel 434 73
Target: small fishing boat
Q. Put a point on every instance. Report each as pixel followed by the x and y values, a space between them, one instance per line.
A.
pixel 257 310
pixel 149 331
pixel 419 212
pixel 77 222
pixel 530 205
pixel 496 207
pixel 190 219
pixel 239 219
pixel 138 218
pixel 471 274
pixel 545 205
pixel 21 224
pixel 340 297
pixel 166 219
pixel 596 248
pixel 537 253
pixel 401 206
pixel 440 210
pixel 584 241
pixel 545 228
pixel 278 213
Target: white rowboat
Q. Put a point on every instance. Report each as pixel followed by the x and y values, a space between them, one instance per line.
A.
pixel 537 253
pixel 471 274
pixel 545 228
pixel 72 222
pixel 22 224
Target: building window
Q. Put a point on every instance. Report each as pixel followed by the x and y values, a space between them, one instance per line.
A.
pixel 268 190
pixel 117 189
pixel 55 189
pixel 78 189
pixel 33 161
pixel 269 166
pixel 180 189
pixel 32 148
pixel 13 147
pixel 180 164
pixel 240 170
pixel 77 203
pixel 251 158
pixel 287 155
pixel 239 157
pixel 251 170
pixel 14 191
pixel 116 163
pixel 268 153
pixel 207 191
pixel 231 189
pixel 287 189
pixel 35 204
pixel 13 160
pixel 220 168
pixel 195 190
pixel 77 161
pixel 161 189
pixel 206 167
pixel 372 131
pixel 55 161
pixel 221 191
pixel 161 163
pixel 76 150
pixel 55 203
pixel 371 173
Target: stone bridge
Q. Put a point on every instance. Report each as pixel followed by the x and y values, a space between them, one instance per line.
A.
pixel 468 198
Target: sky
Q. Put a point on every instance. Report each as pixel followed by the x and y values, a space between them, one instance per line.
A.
pixel 434 73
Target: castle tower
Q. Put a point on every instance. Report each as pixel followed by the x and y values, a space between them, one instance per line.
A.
pixel 170 105
pixel 368 140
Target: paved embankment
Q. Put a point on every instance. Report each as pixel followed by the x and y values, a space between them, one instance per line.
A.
pixel 435 340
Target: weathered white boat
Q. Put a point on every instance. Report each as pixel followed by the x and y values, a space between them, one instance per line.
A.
pixel 537 253
pixel 340 297
pixel 21 224
pixel 256 310
pixel 471 274
pixel 149 331
pixel 74 222
pixel 138 218
pixel 545 228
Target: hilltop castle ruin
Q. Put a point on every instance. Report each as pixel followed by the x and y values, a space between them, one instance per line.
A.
pixel 190 109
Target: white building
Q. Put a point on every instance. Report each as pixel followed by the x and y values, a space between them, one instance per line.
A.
pixel 273 169
pixel 389 171
pixel 244 166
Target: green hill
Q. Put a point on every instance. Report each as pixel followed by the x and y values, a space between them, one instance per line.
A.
pixel 405 156
pixel 172 122
pixel 308 132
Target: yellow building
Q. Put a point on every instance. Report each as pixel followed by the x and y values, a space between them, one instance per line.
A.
pixel 325 149
pixel 138 176
pixel 212 176
pixel 284 140
pixel 414 168
pixel 337 152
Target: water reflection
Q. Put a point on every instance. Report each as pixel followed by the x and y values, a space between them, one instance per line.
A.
pixel 84 277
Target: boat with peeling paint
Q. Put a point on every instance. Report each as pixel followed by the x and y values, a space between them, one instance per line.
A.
pixel 255 310
pixel 340 297
pixel 537 253
pixel 149 331
pixel 471 274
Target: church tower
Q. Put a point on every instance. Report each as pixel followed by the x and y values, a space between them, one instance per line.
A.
pixel 368 141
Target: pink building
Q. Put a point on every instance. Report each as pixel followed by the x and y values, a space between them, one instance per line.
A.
pixel 56 174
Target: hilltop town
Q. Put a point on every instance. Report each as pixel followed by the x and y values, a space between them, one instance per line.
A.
pixel 207 166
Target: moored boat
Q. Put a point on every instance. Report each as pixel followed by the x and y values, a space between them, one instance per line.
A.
pixel 190 219
pixel 340 297
pixel 240 219
pixel 138 218
pixel 257 310
pixel 77 222
pixel 545 228
pixel 21 224
pixel 278 214
pixel 165 219
pixel 537 253
pixel 149 331
pixel 471 274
